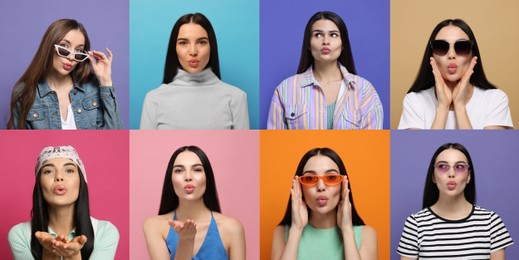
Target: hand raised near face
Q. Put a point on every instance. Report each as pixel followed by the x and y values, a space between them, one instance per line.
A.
pixel 344 210
pixel 459 94
pixel 299 209
pixel 102 66
pixel 186 230
pixel 443 92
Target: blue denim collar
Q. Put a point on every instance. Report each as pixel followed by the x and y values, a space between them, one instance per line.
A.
pixel 44 88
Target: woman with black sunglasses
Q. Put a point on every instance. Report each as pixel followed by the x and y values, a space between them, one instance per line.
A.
pixel 321 221
pixel 451 90
pixel 451 225
pixel 67 85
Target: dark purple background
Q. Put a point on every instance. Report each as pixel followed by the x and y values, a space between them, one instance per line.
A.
pixel 494 155
pixel 23 23
pixel 282 25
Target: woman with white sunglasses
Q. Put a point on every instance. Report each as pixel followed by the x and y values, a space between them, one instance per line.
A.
pixel 321 221
pixel 451 225
pixel 67 85
pixel 451 90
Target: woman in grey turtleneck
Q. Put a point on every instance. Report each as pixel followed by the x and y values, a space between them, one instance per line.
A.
pixel 192 95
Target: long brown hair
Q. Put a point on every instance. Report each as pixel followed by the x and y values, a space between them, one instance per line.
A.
pixel 24 91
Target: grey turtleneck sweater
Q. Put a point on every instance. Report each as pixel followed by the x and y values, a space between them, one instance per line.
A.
pixel 195 101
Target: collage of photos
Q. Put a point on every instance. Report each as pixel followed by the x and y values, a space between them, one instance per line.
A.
pixel 162 129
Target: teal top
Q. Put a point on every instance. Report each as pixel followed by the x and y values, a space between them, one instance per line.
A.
pixel 329 119
pixel 323 243
pixel 105 243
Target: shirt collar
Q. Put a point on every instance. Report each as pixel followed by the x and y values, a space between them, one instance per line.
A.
pixel 71 234
pixel 44 88
pixel 309 79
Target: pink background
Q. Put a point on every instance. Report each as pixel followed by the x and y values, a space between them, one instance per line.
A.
pixel 105 155
pixel 234 156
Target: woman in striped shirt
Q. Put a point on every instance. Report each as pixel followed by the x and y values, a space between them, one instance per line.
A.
pixel 326 93
pixel 450 225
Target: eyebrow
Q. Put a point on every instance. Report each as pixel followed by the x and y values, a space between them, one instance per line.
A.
pixel 319 30
pixel 186 39
pixel 327 171
pixel 454 163
pixel 182 166
pixel 53 165
pixel 68 42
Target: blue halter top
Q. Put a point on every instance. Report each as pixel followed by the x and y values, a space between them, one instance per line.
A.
pixel 212 247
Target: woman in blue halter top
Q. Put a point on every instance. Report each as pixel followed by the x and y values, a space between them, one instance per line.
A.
pixel 321 221
pixel 189 224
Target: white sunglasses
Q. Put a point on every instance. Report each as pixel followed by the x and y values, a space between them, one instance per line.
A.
pixel 64 52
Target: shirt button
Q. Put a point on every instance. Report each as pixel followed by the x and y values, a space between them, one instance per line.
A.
pixel 35 115
pixel 79 110
pixel 292 114
pixel 94 103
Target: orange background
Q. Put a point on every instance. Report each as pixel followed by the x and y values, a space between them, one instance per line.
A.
pixel 366 157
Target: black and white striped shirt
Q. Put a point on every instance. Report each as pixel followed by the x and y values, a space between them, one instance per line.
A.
pixel 428 236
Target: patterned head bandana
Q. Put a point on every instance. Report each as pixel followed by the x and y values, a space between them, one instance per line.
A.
pixel 67 151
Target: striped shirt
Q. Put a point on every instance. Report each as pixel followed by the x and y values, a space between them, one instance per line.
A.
pixel 299 103
pixel 428 236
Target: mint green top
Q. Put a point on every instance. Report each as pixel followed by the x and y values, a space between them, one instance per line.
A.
pixel 105 243
pixel 329 117
pixel 323 243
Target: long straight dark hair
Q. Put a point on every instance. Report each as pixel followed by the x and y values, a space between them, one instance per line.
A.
pixel 24 91
pixel 425 78
pixel 172 64
pixel 170 201
pixel 346 57
pixel 431 192
pixel 356 219
pixel 82 222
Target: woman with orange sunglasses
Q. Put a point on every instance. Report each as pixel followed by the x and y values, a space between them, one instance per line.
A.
pixel 321 221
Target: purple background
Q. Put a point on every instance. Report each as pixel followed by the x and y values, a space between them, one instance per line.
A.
pixel 494 155
pixel 23 23
pixel 282 25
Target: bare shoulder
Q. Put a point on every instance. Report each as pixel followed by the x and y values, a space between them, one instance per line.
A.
pixel 368 232
pixel 280 231
pixel 156 223
pixel 228 224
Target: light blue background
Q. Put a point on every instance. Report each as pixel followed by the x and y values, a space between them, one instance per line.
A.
pixel 236 24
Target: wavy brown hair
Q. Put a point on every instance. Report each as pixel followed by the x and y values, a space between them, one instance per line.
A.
pixel 24 91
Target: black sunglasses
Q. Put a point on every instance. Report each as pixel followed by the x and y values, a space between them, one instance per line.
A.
pixel 441 47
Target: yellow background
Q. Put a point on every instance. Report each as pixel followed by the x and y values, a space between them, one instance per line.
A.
pixel 494 23
pixel 366 157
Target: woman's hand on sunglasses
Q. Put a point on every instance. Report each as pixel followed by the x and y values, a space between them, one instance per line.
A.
pixel 299 210
pixel 344 210
pixel 459 94
pixel 102 66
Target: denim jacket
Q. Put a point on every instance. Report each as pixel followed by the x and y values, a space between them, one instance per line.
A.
pixel 94 107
